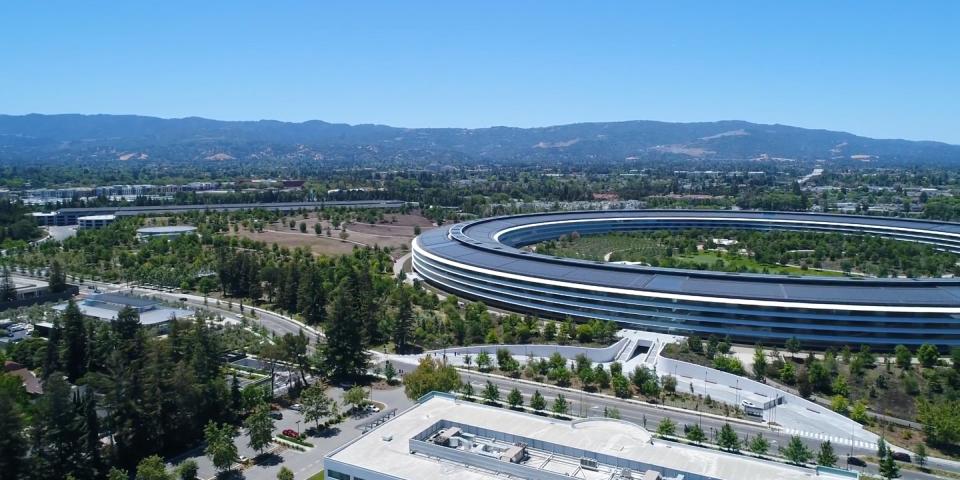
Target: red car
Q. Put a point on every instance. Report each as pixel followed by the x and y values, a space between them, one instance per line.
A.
pixel 290 433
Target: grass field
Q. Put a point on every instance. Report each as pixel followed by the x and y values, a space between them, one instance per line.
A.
pixel 649 251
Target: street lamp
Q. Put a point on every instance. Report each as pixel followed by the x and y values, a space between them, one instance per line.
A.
pixel 298 428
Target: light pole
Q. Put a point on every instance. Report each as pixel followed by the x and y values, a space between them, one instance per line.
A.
pixel 298 428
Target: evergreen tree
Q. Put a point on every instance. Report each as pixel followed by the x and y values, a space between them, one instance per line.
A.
pixel 57 278
pixel 537 402
pixel 728 439
pixel 316 404
pixel 152 468
pixel 491 393
pixel 404 318
pixel 8 291
pixel 796 452
pixel 826 457
pixel 560 406
pixel 515 398
pixel 759 445
pixel 888 466
pixel 75 346
pixel 344 353
pixel 696 434
pixel 13 447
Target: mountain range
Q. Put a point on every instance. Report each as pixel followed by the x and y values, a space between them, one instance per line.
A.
pixel 41 137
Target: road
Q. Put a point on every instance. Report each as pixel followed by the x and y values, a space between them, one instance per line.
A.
pixel 581 404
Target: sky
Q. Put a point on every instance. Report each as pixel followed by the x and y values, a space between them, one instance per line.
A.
pixel 875 68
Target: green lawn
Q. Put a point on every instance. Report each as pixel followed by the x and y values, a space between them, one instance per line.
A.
pixel 710 259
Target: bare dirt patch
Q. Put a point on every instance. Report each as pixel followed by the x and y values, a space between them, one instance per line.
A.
pixel 396 235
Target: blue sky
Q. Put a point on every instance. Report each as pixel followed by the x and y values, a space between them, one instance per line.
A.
pixel 881 69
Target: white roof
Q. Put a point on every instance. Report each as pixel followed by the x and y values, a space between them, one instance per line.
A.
pixel 616 438
pixel 97 217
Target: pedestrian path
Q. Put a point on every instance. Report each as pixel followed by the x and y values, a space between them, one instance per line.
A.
pixel 833 440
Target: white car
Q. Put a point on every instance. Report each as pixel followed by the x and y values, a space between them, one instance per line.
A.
pixel 296 407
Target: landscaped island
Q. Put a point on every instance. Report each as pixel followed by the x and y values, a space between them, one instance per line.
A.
pixel 747 251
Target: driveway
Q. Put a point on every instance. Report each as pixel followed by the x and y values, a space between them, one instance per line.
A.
pixel 303 464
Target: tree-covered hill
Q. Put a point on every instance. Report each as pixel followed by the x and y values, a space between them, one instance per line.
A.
pixel 87 137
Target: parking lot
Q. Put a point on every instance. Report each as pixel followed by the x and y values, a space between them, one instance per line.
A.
pixel 303 464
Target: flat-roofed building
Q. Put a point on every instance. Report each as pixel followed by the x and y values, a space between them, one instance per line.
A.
pixel 442 437
pixel 91 222
pixel 168 231
pixel 106 307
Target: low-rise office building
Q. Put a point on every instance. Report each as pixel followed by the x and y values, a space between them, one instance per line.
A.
pixel 91 222
pixel 147 233
pixel 445 438
pixel 106 307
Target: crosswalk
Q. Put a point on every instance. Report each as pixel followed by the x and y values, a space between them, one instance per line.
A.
pixel 834 440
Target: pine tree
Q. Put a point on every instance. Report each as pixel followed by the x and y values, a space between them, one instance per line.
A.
pixel 888 466
pixel 75 346
pixel 759 445
pixel 344 353
pixel 13 447
pixel 560 406
pixel 404 318
pixel 728 439
pixel 8 291
pixel 515 398
pixel 796 452
pixel 537 402
pixel 57 278
pixel 826 457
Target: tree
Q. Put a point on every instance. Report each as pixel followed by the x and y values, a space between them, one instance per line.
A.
pixel 955 358
pixel 759 445
pixel 888 466
pixel 695 434
pixel 356 397
pixel 13 446
pixel 188 469
pixel 826 457
pixel 920 456
pixel 484 362
pixel 759 363
pixel 259 427
pixel 57 278
pixel 928 355
pixel 796 452
pixel 667 427
pixel 75 346
pixel 515 398
pixel 220 447
pixel 431 376
pixel 404 318
pixel 389 372
pixel 152 468
pixel 560 406
pixel 285 474
pixel 941 420
pixel 491 393
pixel 728 439
pixel 793 345
pixel 859 412
pixel 537 402
pixel 881 448
pixel 904 357
pixel 621 386
pixel 117 474
pixel 8 291
pixel 344 352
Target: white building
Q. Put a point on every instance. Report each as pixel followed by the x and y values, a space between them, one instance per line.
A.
pixel 445 438
pixel 95 221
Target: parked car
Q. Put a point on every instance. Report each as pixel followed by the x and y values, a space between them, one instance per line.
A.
pixel 296 407
pixel 276 415
pixel 371 408
pixel 290 433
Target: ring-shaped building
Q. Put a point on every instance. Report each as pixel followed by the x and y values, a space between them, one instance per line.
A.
pixel 483 260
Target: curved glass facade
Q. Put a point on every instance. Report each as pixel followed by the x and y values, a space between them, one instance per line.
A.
pixel 459 261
